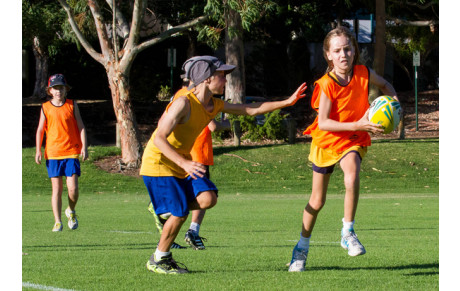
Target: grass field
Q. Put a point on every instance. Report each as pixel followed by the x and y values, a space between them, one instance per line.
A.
pixel 251 231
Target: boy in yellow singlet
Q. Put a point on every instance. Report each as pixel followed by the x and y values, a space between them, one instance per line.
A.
pixel 175 182
pixel 339 135
pixel 65 140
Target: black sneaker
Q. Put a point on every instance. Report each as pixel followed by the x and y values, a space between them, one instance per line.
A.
pixel 175 246
pixel 194 240
pixel 166 265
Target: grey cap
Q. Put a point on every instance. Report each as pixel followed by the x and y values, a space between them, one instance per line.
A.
pixel 199 68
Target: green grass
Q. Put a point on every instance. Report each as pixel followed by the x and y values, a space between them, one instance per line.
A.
pixel 251 231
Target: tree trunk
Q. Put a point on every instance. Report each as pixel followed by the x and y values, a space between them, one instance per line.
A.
pixel 380 46
pixel 41 69
pixel 234 53
pixel 131 147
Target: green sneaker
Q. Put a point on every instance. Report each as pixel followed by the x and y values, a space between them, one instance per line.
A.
pixel 166 265
pixel 57 227
pixel 72 216
pixel 159 221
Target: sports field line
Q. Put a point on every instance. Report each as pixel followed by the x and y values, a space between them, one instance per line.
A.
pixel 43 287
pixel 130 232
pixel 240 196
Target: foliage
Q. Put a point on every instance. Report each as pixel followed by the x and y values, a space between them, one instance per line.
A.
pixel 273 127
pixel 251 11
pixel 42 19
pixel 165 93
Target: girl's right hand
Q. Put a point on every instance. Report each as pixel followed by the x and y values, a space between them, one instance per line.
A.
pixel 38 157
pixel 365 125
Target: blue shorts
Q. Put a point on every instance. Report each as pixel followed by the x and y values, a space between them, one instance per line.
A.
pixel 330 169
pixel 172 194
pixel 64 167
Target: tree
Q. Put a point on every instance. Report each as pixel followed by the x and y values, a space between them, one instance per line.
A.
pixel 118 60
pixel 41 30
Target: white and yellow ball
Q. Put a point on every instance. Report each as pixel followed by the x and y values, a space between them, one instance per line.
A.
pixel 386 111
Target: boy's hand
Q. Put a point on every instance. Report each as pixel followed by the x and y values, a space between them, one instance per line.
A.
pixel 38 157
pixel 84 154
pixel 194 169
pixel 298 94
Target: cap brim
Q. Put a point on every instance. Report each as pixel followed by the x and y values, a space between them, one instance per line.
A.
pixel 226 68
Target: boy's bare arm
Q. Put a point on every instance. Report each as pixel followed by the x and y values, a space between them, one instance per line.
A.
pixel 39 138
pixel 177 113
pixel 264 107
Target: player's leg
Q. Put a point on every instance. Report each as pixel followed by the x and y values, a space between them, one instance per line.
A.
pixel 205 200
pixel 73 194
pixel 316 202
pixel 160 220
pixel 351 165
pixel 56 201
pixel 168 194
pixel 192 236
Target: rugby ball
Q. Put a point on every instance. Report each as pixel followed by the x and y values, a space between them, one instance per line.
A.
pixel 386 111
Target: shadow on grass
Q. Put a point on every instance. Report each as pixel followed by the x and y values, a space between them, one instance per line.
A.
pixel 387 268
pixel 90 247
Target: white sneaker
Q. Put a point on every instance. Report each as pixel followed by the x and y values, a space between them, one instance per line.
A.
pixel 72 216
pixel 57 227
pixel 299 260
pixel 351 243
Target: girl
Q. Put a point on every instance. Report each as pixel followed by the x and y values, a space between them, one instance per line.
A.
pixel 339 135
pixel 65 140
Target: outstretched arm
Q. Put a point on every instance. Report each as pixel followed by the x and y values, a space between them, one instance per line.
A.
pixel 264 107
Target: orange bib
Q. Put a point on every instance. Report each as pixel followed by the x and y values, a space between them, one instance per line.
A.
pixel 62 135
pixel 349 104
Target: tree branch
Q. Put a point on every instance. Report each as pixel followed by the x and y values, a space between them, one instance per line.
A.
pixel 121 20
pixel 138 14
pixel 106 46
pixel 86 45
pixel 164 35
pixel 399 21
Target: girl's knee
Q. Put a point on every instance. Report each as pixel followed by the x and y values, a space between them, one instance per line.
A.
pixel 315 204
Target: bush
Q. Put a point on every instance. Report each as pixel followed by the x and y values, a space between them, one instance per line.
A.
pixel 273 128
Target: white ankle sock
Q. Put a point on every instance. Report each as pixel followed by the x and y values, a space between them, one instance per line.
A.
pixel 347 225
pixel 195 227
pixel 159 255
pixel 304 242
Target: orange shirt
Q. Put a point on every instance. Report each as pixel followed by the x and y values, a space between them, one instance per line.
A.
pixel 349 103
pixel 202 148
pixel 62 135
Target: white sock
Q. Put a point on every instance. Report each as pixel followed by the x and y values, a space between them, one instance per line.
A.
pixel 347 226
pixel 195 227
pixel 304 242
pixel 165 216
pixel 159 255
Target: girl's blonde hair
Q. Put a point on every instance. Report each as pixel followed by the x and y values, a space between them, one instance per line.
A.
pixel 339 31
